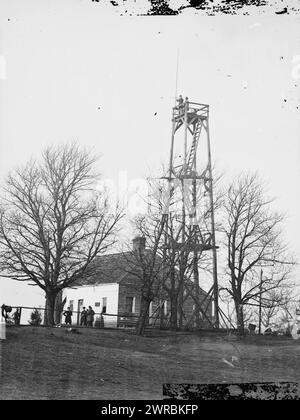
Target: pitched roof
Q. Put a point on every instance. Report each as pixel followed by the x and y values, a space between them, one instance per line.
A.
pixel 109 268
pixel 112 268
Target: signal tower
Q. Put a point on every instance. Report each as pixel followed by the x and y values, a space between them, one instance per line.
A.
pixel 190 131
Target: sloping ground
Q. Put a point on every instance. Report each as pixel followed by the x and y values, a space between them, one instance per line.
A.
pixel 44 363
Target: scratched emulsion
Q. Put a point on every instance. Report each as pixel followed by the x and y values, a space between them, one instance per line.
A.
pixel 161 7
pixel 209 7
pixel 241 391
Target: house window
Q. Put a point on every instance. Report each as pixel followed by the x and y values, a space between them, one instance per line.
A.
pixel 79 310
pixel 97 304
pixel 129 304
pixel 104 305
pixel 71 305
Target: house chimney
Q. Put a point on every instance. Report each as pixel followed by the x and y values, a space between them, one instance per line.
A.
pixel 139 243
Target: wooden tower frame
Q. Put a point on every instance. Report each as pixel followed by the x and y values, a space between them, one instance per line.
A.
pixel 190 129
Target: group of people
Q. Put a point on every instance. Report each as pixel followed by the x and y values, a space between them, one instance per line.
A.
pixel 181 103
pixel 86 316
pixel 6 314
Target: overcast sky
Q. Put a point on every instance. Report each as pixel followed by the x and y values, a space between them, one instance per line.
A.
pixel 73 70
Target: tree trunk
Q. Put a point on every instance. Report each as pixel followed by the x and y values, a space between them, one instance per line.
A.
pixel 144 313
pixel 173 302
pixel 162 322
pixel 49 318
pixel 59 307
pixel 240 318
pixel 180 303
pixel 174 309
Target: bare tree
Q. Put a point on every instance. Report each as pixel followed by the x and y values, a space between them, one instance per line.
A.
pixel 271 306
pixel 166 265
pixel 52 223
pixel 171 243
pixel 253 240
pixel 145 265
pixel 288 315
pixel 166 228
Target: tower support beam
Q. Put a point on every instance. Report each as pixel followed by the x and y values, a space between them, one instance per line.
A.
pixel 190 131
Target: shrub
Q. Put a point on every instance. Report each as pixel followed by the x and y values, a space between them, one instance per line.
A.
pixel 35 317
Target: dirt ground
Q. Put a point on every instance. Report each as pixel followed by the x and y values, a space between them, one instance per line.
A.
pixel 50 363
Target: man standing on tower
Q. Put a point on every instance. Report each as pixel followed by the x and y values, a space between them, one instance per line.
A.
pixel 180 104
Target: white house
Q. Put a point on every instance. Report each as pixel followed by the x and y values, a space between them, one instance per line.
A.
pixel 103 298
pixel 114 292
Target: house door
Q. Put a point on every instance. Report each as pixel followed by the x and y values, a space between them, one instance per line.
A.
pixel 79 309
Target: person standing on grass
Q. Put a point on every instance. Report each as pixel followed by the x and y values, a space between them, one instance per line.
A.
pixel 17 316
pixel 83 317
pixel 5 311
pixel 90 316
pixel 68 316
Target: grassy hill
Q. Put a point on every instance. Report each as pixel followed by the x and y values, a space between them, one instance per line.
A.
pixel 49 363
